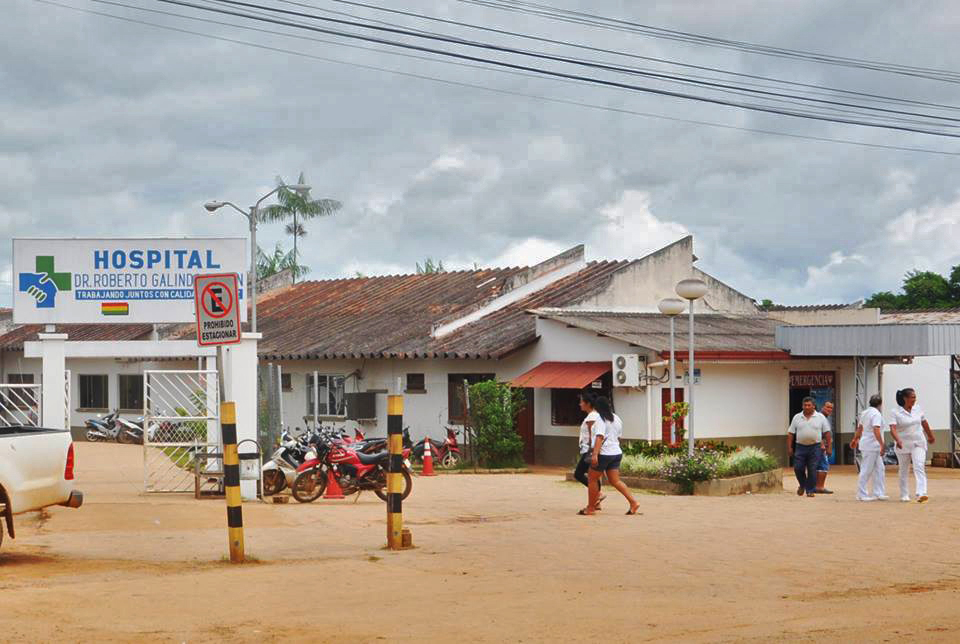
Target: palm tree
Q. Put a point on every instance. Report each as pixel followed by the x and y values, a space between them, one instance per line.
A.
pixel 430 267
pixel 297 208
pixel 277 261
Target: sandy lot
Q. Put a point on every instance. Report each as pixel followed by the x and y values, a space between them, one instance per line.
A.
pixel 498 558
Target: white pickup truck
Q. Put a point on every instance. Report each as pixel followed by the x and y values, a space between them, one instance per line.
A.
pixel 36 471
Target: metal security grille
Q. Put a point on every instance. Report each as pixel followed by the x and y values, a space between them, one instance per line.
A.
pixel 180 421
pixel 20 405
pixel 270 405
pixel 955 409
pixel 66 398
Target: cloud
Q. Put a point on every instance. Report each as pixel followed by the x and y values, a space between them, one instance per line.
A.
pixel 111 128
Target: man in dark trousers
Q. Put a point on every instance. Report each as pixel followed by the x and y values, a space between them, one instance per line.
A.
pixel 826 450
pixel 803 443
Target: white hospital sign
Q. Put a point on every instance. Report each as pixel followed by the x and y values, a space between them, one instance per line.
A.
pixel 124 281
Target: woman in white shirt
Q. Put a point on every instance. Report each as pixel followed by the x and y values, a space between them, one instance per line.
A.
pixel 606 455
pixel 586 433
pixel 912 433
pixel 869 438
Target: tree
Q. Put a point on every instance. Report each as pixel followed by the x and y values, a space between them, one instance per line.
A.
pixel 926 290
pixel 277 261
pixel 430 268
pixel 766 305
pixel 296 208
pixel 493 413
pixel 921 290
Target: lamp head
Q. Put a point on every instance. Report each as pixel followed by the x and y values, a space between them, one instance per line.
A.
pixel 691 289
pixel 213 206
pixel 300 188
pixel 671 306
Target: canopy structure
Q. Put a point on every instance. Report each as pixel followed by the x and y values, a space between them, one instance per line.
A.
pixel 562 375
pixel 881 343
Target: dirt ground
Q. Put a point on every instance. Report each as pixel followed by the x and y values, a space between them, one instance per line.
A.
pixel 497 558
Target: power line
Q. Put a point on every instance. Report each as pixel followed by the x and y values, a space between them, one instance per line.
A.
pixel 558 74
pixel 664 61
pixel 586 63
pixel 583 18
pixel 502 91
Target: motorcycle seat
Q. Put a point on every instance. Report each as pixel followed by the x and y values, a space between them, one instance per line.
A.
pixel 370 459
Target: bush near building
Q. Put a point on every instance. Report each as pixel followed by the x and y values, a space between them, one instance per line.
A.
pixel 704 465
pixel 493 411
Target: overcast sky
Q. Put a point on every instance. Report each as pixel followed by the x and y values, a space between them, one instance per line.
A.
pixel 109 128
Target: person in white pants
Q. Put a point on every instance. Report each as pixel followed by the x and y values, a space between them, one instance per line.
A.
pixel 912 433
pixel 869 438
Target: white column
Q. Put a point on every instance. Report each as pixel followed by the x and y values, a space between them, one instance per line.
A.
pixel 53 411
pixel 240 380
pixel 213 427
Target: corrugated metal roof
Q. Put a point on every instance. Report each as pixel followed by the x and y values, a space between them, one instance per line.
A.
pixel 14 339
pixel 562 375
pixel 713 331
pixel 870 340
pixel 392 316
pixel 815 307
pixel 921 316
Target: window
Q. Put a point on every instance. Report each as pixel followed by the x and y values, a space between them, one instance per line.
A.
pixel 286 382
pixel 456 399
pixel 93 392
pixel 20 398
pixel 329 394
pixel 416 383
pixel 565 403
pixel 131 391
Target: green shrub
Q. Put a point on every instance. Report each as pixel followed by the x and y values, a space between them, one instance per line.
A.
pixel 748 460
pixel 686 470
pixel 493 411
pixel 659 448
pixel 648 467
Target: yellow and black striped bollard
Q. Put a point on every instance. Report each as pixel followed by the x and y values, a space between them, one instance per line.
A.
pixel 395 472
pixel 231 479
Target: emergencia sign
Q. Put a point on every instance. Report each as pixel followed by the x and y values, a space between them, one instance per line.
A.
pixel 132 281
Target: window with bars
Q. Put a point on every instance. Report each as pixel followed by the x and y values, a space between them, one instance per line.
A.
pixel 93 391
pixel 286 382
pixel 456 397
pixel 329 395
pixel 416 383
pixel 131 392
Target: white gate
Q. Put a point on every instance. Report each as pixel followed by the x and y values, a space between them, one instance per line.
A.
pixel 20 405
pixel 180 421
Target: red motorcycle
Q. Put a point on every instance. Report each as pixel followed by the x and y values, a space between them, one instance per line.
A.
pixel 445 454
pixel 354 470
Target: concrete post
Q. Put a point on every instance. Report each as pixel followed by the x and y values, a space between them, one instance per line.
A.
pixel 240 382
pixel 54 403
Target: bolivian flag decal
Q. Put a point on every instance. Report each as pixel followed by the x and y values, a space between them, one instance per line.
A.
pixel 115 308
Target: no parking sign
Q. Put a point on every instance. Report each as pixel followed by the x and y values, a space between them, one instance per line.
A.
pixel 216 298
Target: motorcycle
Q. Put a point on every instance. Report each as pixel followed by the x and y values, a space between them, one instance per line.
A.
pixel 281 470
pixel 130 431
pixel 354 471
pixel 445 454
pixel 103 428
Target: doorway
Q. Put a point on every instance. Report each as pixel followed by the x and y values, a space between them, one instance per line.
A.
pixel 525 426
pixel 822 387
pixel 665 425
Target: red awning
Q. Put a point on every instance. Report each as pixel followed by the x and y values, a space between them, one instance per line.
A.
pixel 562 375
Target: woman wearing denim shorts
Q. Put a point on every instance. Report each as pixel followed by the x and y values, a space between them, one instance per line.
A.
pixel 606 456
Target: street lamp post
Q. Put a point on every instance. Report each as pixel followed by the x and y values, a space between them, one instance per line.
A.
pixel 692 290
pixel 213 206
pixel 671 307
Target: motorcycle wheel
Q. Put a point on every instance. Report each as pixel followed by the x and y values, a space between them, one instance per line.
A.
pixel 123 436
pixel 381 492
pixel 309 485
pixel 273 482
pixel 93 438
pixel 450 459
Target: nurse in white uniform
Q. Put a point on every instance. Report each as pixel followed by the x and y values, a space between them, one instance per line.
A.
pixel 869 438
pixel 912 434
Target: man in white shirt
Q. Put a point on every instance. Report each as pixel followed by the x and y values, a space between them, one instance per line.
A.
pixel 869 438
pixel 806 431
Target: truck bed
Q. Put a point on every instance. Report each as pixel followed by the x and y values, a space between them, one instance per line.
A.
pixel 16 430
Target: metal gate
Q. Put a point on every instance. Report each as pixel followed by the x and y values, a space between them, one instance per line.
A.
pixel 20 405
pixel 180 423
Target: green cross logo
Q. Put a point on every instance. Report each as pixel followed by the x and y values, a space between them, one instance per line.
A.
pixel 45 283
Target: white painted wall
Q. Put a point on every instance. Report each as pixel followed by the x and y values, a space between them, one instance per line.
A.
pixel 930 376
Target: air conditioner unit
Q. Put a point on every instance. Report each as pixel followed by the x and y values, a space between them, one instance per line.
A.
pixel 626 370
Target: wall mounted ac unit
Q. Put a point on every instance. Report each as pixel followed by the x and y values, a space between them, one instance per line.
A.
pixel 626 370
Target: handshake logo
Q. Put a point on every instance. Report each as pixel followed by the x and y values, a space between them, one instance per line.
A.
pixel 44 285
